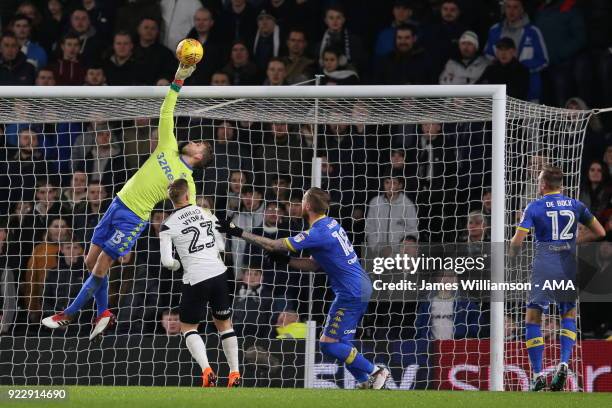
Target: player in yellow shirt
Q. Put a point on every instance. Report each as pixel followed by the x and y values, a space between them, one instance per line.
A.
pixel 128 214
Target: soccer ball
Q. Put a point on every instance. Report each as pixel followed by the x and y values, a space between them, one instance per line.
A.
pixel 189 51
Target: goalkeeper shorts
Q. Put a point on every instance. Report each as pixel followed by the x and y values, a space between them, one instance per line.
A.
pixel 118 229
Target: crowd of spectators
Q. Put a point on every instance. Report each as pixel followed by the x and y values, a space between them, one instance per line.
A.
pixel 544 50
pixel 391 186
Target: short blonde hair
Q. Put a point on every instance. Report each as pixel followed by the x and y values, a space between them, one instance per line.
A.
pixel 318 200
pixel 177 189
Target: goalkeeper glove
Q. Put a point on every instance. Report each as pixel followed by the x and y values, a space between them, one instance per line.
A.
pixel 184 71
pixel 278 258
pixel 228 227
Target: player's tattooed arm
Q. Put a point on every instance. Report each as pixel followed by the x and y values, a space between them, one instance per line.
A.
pixel 268 244
pixel 232 230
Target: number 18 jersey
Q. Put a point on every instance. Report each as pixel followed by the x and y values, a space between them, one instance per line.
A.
pixel 330 247
pixel 197 242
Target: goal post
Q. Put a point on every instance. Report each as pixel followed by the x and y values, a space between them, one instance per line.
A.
pixel 496 376
pixel 500 137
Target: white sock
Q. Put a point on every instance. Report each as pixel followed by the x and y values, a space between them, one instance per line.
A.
pixel 196 347
pixel 230 348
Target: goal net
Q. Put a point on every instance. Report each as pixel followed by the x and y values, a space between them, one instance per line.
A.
pixel 410 171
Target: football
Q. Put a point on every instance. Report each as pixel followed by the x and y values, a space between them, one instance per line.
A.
pixel 189 51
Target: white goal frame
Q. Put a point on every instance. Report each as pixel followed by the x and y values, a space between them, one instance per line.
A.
pixel 498 115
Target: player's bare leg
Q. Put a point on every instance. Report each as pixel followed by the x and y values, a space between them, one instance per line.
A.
pixel 92 256
pixel 229 342
pixel 197 348
pixel 535 347
pixel 374 377
pixel 567 338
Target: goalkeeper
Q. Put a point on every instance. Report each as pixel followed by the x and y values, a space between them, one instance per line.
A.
pixel 332 252
pixel 128 214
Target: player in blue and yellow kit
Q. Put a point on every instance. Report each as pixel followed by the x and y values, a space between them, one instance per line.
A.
pixel 554 219
pixel 332 252
pixel 128 214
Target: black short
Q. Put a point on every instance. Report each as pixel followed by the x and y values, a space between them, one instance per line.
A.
pixel 211 291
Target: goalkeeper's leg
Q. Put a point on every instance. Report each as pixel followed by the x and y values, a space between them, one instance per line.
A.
pixel 96 285
pixel 113 237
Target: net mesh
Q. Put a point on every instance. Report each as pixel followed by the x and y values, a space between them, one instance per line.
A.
pixel 68 157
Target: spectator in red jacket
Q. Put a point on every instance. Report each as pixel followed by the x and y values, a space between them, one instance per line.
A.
pixel 68 69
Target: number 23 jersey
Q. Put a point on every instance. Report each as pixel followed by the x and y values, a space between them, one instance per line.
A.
pixel 198 243
pixel 330 247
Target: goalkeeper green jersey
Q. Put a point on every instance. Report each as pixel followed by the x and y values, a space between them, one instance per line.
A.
pixel 150 183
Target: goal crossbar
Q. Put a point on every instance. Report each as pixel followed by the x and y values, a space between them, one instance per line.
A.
pixel 349 91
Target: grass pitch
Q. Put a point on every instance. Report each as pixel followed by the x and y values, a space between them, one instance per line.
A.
pixel 174 397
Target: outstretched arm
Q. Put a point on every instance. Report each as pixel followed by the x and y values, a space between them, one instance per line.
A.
pixel 167 141
pixel 302 264
pixel 232 230
pixel 265 243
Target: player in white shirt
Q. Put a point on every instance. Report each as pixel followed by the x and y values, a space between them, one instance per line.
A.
pixel 192 231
